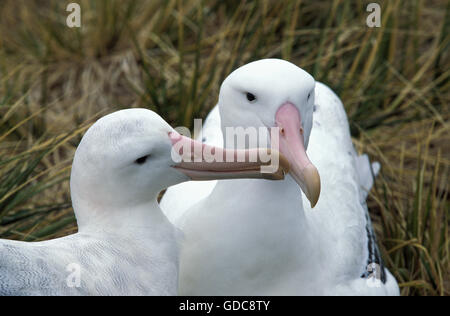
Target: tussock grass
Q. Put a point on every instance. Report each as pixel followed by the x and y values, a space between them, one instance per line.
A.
pixel 171 56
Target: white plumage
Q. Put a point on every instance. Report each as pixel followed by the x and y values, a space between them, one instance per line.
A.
pixel 124 245
pixel 262 238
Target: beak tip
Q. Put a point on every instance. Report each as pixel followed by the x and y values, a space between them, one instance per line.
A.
pixel 313 185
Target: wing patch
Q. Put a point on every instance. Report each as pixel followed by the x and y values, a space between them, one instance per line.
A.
pixel 375 266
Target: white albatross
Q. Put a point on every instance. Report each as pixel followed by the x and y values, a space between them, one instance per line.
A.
pixel 262 238
pixel 124 245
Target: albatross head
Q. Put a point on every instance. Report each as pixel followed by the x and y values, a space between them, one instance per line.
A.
pixel 126 158
pixel 275 93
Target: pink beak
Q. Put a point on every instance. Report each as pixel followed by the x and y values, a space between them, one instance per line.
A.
pixel 292 146
pixel 199 161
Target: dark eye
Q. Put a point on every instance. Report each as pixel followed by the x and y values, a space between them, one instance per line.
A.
pixel 251 97
pixel 142 160
pixel 309 95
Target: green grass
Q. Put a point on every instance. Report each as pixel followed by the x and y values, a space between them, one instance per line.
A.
pixel 171 56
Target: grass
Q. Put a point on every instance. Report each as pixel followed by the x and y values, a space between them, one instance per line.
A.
pixel 171 56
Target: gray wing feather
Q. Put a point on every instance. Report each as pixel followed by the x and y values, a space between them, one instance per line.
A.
pixel 24 270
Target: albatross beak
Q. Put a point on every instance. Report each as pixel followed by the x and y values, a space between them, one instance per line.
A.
pixel 204 162
pixel 292 145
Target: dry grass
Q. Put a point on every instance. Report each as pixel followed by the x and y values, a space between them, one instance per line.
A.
pixel 170 56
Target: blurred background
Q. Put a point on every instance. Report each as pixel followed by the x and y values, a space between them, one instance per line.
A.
pixel 171 56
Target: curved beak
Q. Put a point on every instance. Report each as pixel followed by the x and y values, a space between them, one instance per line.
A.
pixel 291 145
pixel 203 162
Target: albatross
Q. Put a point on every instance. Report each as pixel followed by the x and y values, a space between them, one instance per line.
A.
pixel 266 238
pixel 124 245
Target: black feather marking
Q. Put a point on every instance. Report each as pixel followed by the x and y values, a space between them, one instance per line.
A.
pixel 374 260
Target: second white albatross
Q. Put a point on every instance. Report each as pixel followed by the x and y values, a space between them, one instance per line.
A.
pixel 262 238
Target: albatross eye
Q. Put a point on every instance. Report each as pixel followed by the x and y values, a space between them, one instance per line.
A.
pixel 251 97
pixel 142 160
